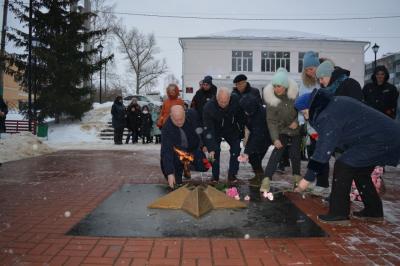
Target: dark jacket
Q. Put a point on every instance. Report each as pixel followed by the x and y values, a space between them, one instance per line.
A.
pixel 259 139
pixel 342 85
pixel 133 118
pixel 201 98
pixel 118 115
pixel 4 109
pixel 221 123
pixel 381 97
pixel 171 137
pixel 366 136
pixel 249 90
pixel 147 124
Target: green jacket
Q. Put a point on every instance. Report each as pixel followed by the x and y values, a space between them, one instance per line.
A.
pixel 280 111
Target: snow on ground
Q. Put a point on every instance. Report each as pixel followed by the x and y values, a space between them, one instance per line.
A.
pixel 19 146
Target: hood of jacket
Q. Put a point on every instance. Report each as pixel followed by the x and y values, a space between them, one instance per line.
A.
pixel 338 73
pixel 377 69
pixel 273 100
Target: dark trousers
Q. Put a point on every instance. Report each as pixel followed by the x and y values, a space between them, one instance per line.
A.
pixel 323 177
pixel 118 132
pixel 234 152
pixel 255 160
pixel 158 138
pixel 134 134
pixel 343 176
pixel 294 155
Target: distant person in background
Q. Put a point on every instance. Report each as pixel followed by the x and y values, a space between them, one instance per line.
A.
pixel 206 92
pixel 118 119
pixel 133 121
pixel 380 94
pixel 173 99
pixel 156 132
pixel 147 124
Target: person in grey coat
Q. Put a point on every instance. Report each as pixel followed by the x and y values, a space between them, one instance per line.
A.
pixel 367 138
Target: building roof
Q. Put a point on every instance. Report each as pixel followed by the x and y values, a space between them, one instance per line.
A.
pixel 269 34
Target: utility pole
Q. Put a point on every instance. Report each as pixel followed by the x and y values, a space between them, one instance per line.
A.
pixel 30 67
pixel 3 47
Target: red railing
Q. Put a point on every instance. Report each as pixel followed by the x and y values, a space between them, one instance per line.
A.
pixel 16 126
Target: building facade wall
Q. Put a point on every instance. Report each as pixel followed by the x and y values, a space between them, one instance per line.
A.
pixel 214 57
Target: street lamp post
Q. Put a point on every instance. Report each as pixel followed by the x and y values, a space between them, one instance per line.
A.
pixel 100 48
pixel 30 68
pixel 375 48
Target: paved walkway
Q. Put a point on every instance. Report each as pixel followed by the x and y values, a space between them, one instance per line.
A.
pixel 42 198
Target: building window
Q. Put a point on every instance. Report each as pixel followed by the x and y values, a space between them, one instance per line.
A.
pixel 271 61
pixel 242 61
pixel 301 56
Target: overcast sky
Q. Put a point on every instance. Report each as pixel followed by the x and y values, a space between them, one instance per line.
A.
pixel 385 32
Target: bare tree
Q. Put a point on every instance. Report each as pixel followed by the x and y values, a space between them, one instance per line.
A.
pixel 139 49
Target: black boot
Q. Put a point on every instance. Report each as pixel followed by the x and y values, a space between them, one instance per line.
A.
pixel 364 215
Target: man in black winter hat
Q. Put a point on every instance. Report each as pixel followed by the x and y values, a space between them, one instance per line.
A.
pixel 242 87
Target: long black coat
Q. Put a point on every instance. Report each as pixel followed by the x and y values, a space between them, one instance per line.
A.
pixel 259 139
pixel 171 137
pixel 342 85
pixel 221 123
pixel 4 109
pixel 147 124
pixel 381 97
pixel 118 115
pixel 366 136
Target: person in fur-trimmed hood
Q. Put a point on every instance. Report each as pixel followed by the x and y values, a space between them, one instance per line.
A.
pixel 282 123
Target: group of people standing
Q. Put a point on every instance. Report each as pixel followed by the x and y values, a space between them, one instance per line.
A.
pixel 140 122
pixel 328 115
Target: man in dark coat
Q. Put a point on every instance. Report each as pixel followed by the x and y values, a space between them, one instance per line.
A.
pixel 221 119
pixel 180 131
pixel 206 92
pixel 3 114
pixel 337 80
pixel 366 137
pixel 380 94
pixel 242 88
pixel 259 139
pixel 118 119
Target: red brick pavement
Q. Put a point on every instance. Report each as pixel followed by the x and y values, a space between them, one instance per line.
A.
pixel 36 193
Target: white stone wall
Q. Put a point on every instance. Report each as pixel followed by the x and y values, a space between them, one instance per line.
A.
pixel 214 57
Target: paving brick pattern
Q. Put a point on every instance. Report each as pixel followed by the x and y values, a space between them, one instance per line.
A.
pixel 37 195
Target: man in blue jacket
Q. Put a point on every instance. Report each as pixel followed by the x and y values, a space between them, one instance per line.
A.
pixel 180 133
pixel 365 137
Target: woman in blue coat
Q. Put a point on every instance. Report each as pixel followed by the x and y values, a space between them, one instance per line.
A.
pixel 366 138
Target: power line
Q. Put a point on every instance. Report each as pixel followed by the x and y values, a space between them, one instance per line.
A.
pixel 249 19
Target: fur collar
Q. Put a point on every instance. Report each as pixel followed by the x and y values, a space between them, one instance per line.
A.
pixel 271 99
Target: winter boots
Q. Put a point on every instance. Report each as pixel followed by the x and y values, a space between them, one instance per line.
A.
pixel 265 185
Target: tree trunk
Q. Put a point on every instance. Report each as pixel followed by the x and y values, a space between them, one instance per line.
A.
pixel 137 83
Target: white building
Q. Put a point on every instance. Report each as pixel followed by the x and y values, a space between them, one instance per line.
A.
pixel 258 53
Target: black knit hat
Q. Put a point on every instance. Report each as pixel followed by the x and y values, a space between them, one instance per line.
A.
pixel 208 80
pixel 239 78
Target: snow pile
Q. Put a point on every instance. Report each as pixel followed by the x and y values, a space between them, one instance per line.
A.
pixel 20 146
pixel 81 131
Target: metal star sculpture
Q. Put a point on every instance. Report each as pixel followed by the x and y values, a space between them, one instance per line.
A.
pixel 196 200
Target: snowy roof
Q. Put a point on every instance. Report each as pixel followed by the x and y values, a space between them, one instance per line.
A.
pixel 269 34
